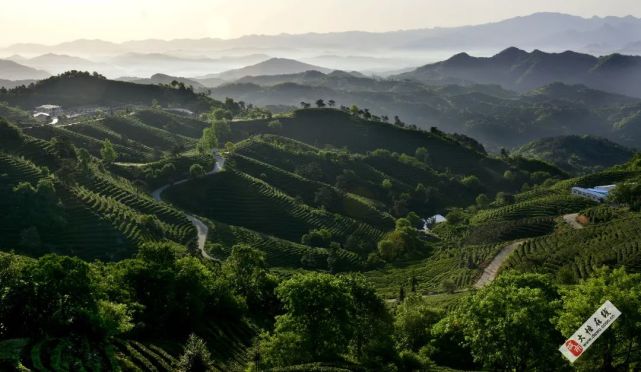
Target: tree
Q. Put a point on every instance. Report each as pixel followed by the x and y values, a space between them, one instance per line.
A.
pixel 247 271
pixel 229 146
pixel 326 317
pixel 84 158
pixel 386 184
pixel 471 181
pixel 208 141
pixel 221 115
pixel 414 320
pixel 317 238
pixel 618 346
pixel 107 152
pixel 326 197
pixel 405 240
pixel 305 105
pixel 316 325
pixel 422 154
pixel 331 103
pixel 320 103
pixel 275 125
pixel 509 175
pixel 195 357
pixel 482 201
pixel 222 130
pixel 507 325
pixel 628 193
pixel 196 170
pixel 455 216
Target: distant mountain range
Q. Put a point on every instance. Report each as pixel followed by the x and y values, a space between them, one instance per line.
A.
pixel 10 84
pixel 164 79
pixel 59 63
pixel 490 113
pixel 10 70
pixel 549 31
pixel 382 53
pixel 519 70
pixel 273 66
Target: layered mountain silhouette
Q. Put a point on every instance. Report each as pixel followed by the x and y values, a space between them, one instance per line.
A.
pixel 552 31
pixel 521 71
pixel 273 66
pixel 163 79
pixel 10 70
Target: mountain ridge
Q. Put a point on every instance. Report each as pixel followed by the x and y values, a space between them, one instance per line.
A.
pixel 556 30
pixel 518 70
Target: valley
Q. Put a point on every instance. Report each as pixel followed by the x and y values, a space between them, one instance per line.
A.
pixel 435 199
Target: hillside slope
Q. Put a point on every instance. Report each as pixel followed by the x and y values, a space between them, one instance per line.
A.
pixel 576 154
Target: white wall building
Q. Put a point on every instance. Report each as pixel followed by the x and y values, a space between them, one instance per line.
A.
pixel 596 193
pixel 52 110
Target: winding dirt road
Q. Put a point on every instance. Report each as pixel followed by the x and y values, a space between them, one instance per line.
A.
pixel 201 228
pixel 489 274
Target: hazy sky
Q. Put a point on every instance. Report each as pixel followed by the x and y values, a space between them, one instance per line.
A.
pixel 53 21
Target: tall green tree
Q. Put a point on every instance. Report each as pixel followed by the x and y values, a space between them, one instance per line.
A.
pixel 195 357
pixel 208 141
pixel 326 318
pixel 508 324
pixel 222 130
pixel 618 347
pixel 246 268
pixel 107 152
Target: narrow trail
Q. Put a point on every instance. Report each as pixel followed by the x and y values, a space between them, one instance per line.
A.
pixel 571 220
pixel 490 272
pixel 201 229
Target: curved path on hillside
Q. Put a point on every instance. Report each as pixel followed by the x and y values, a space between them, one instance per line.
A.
pixel 492 269
pixel 201 228
pixel 571 220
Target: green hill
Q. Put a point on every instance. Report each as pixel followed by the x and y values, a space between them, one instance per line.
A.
pixel 73 89
pixel 74 208
pixel 326 127
pixel 137 137
pixel 576 154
